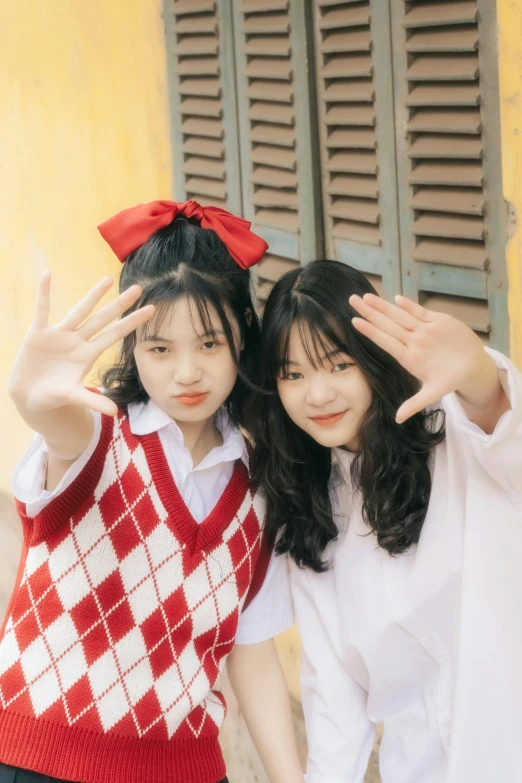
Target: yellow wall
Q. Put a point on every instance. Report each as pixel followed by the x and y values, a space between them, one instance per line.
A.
pixel 84 132
pixel 510 66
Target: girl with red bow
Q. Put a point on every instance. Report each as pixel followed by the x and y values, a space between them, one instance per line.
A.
pixel 144 540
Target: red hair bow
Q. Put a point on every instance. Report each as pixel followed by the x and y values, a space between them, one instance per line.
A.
pixel 130 228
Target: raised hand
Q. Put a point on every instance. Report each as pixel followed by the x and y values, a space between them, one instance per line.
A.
pixel 442 352
pixel 52 362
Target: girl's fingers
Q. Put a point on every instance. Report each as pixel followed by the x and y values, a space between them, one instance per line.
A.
pixel 96 402
pixel 365 308
pixel 110 312
pixel 428 395
pixel 401 317
pixel 122 328
pixel 43 301
pixel 85 306
pixel 385 341
pixel 415 309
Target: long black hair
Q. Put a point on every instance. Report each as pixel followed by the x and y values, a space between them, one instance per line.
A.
pixel 391 468
pixel 185 260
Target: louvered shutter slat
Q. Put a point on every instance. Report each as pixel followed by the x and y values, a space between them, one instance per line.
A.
pixel 346 185
pixel 259 6
pixel 461 173
pixel 271 112
pixel 452 252
pixel 349 41
pixel 458 40
pixel 429 146
pixel 350 115
pixel 273 157
pixel 459 67
pixel 192 66
pixel 196 126
pixel 360 91
pixel 198 107
pixel 204 167
pixel 352 138
pixel 446 121
pixel 345 17
pixel 264 175
pixel 270 91
pixel 357 162
pixel 195 6
pixel 436 225
pixel 351 66
pixel 459 200
pixel 204 147
pixel 444 95
pixel 441 13
pixel 198 45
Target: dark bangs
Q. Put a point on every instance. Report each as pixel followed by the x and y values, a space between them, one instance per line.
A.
pixel 202 296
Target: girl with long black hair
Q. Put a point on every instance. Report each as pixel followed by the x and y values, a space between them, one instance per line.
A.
pixel 388 443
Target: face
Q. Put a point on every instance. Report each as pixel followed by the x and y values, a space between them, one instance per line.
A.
pixel 328 402
pixel 188 372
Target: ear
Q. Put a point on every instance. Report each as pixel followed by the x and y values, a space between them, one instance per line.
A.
pixel 248 316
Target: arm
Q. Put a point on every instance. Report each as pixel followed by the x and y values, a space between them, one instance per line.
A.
pixel 498 448
pixel 260 688
pixel 46 380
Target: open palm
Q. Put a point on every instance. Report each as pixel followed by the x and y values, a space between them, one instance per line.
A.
pixel 50 367
pixel 439 350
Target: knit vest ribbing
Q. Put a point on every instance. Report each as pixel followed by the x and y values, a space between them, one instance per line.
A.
pixel 123 613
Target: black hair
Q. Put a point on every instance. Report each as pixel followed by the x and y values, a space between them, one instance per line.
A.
pixel 185 260
pixel 391 468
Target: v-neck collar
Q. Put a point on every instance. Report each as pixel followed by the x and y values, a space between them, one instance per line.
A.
pixel 195 535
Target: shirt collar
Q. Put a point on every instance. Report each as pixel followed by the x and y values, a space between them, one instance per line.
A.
pixel 148 417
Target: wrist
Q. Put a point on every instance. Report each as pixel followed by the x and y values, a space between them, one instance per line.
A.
pixel 481 386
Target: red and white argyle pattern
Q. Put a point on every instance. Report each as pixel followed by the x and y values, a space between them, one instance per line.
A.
pixel 116 625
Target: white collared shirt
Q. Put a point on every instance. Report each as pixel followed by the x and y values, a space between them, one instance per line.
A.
pixel 429 643
pixel 200 487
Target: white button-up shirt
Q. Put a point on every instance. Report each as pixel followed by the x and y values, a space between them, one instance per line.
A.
pixel 429 643
pixel 200 487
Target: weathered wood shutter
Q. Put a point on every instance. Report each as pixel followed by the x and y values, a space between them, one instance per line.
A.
pixel 203 102
pixel 355 97
pixel 448 157
pixel 277 139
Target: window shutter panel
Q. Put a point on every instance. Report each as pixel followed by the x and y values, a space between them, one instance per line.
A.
pixel 203 102
pixel 273 41
pixel 448 158
pixel 353 59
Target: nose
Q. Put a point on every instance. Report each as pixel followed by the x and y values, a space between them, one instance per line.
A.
pixel 187 371
pixel 319 391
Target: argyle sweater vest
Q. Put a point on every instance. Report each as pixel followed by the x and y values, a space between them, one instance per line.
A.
pixel 123 612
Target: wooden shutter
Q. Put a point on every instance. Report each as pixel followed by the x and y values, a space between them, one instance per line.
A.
pixel 203 102
pixel 448 156
pixel 353 60
pixel 276 121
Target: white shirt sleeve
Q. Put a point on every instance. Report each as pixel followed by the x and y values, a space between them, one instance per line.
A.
pixel 340 734
pixel 28 483
pixel 500 453
pixel 271 611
